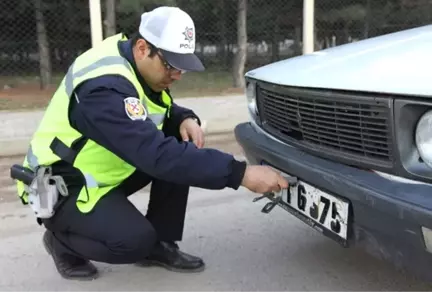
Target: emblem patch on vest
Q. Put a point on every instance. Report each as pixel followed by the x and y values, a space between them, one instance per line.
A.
pixel 135 109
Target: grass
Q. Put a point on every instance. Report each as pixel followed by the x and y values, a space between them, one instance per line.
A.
pixel 24 93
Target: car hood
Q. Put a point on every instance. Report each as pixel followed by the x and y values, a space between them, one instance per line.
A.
pixel 397 63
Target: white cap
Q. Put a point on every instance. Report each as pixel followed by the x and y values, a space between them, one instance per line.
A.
pixel 172 30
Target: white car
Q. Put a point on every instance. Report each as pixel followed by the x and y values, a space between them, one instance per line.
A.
pixel 351 127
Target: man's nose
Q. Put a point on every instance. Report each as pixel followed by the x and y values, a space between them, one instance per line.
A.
pixel 176 75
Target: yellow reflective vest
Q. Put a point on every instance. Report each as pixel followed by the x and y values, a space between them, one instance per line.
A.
pixel 56 140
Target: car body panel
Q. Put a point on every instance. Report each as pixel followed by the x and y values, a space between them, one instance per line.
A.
pixel 396 63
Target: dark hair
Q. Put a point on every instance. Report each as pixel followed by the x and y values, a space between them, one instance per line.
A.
pixel 137 36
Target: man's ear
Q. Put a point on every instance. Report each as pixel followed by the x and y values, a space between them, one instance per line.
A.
pixel 142 48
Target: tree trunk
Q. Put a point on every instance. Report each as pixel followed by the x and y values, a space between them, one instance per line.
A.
pixel 240 57
pixel 367 20
pixel 297 41
pixel 110 18
pixel 275 39
pixel 223 35
pixel 44 51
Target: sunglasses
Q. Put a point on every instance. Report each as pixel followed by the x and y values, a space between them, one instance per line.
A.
pixel 168 66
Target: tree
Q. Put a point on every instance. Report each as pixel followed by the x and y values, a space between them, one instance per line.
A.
pixel 110 18
pixel 241 54
pixel 44 50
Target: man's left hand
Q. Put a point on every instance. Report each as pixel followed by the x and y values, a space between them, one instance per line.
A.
pixel 190 130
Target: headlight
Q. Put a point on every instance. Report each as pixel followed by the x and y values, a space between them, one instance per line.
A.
pixel 423 137
pixel 251 99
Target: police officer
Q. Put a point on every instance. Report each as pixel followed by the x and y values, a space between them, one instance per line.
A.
pixel 111 129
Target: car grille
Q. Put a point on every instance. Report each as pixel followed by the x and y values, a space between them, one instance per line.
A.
pixel 333 123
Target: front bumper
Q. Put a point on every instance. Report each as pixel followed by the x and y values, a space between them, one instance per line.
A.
pixel 387 216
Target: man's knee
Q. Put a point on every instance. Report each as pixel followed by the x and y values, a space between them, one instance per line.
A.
pixel 134 244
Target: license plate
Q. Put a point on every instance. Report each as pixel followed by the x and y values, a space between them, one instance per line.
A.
pixel 321 210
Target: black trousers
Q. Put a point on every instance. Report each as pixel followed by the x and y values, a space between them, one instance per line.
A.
pixel 115 231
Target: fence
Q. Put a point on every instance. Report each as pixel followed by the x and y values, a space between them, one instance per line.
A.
pixel 40 38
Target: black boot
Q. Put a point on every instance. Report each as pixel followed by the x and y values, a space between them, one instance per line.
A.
pixel 69 266
pixel 169 256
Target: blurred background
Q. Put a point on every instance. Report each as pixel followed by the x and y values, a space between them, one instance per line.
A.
pixel 40 38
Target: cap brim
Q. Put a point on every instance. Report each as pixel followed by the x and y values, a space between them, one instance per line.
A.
pixel 187 62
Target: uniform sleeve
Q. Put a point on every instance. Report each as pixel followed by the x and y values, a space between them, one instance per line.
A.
pixel 179 114
pixel 99 114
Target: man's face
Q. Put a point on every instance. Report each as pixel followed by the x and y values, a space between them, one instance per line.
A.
pixel 155 70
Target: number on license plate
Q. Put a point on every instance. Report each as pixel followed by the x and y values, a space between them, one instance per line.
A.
pixel 323 208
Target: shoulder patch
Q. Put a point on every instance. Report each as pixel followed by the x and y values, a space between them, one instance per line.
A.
pixel 134 108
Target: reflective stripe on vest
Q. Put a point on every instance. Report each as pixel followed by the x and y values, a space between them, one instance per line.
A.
pixel 32 159
pixel 107 61
pixel 33 164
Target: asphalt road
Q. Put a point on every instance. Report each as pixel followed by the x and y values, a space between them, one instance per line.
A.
pixel 244 250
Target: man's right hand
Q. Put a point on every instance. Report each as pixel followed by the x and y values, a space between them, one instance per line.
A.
pixel 262 179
